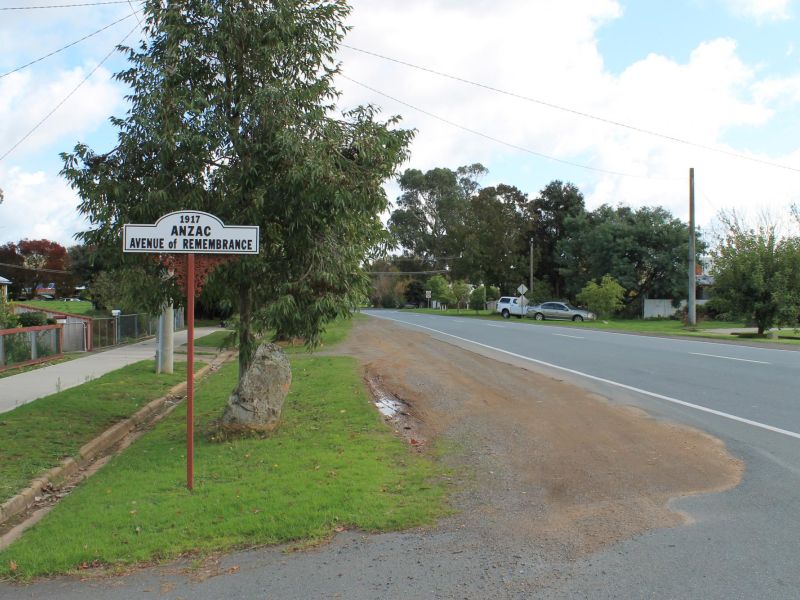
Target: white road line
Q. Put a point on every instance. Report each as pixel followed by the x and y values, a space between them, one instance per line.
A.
pixel 761 362
pixel 624 386
pixel 498 326
pixel 577 337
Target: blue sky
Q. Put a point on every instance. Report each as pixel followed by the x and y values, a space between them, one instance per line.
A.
pixel 722 73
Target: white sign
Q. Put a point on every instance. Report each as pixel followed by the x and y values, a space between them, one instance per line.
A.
pixel 522 289
pixel 427 293
pixel 190 232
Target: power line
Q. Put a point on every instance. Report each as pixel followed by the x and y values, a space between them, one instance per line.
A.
pixel 62 5
pixel 503 142
pixel 134 12
pixel 577 112
pixel 37 270
pixel 67 97
pixel 86 37
pixel 408 272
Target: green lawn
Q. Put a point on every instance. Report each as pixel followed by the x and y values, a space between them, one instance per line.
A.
pixel 331 464
pixel 37 436
pixel 75 308
pixel 213 340
pixel 334 333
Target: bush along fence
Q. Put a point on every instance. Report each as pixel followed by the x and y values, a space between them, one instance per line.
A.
pixel 30 345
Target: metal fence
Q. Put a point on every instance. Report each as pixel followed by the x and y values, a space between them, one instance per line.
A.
pixel 112 331
pixel 29 345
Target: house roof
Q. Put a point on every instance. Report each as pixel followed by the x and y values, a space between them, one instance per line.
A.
pixel 4 281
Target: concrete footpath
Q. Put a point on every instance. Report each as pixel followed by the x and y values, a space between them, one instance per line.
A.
pixel 26 387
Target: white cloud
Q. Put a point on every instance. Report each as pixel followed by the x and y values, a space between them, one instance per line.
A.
pixel 760 10
pixel 549 51
pixel 38 205
pixel 26 99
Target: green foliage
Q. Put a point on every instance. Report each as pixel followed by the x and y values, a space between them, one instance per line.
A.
pixel 440 290
pixel 757 276
pixel 548 217
pixel 644 249
pixel 541 291
pixel 415 293
pixel 431 216
pixel 492 293
pixel 461 292
pixel 604 299
pixel 31 319
pixel 232 106
pixel 8 320
pixel 477 299
pixel 495 249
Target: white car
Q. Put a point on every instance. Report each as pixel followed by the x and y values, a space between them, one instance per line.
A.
pixel 509 305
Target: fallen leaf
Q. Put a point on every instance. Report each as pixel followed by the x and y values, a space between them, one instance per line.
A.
pixel 233 570
pixel 12 564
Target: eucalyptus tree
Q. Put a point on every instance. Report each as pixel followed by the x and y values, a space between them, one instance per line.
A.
pixel 232 111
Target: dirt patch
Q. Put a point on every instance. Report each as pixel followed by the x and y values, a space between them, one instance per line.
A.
pixel 557 467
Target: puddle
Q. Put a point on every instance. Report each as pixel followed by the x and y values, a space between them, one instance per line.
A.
pixel 389 406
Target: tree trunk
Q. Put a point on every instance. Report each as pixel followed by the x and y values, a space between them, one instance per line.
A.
pixel 246 340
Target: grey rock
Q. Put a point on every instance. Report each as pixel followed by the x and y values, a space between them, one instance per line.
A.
pixel 258 398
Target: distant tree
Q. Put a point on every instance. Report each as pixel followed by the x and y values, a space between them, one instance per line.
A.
pixel 604 298
pixel 495 247
pixel 643 249
pixel 40 262
pixel 415 292
pixel 430 220
pixel 440 290
pixel 477 299
pixel 757 275
pixel 547 216
pixel 384 285
pixel 461 291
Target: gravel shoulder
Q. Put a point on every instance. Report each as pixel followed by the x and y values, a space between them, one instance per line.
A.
pixel 545 473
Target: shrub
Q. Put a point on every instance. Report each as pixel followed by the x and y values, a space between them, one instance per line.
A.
pixel 477 299
pixel 8 320
pixel 32 319
pixel 604 298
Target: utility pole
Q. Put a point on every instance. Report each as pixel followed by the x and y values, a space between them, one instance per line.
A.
pixel 530 260
pixel 690 305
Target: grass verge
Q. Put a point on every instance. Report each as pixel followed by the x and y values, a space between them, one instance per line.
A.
pixel 74 308
pixel 331 464
pixel 36 436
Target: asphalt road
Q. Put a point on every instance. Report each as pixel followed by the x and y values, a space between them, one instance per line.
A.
pixel 741 543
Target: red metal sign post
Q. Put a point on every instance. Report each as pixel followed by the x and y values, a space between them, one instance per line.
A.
pixel 191 232
pixel 190 372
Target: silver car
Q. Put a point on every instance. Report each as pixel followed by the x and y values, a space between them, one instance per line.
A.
pixel 559 310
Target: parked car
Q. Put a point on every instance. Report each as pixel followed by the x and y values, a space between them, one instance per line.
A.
pixel 509 305
pixel 559 310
